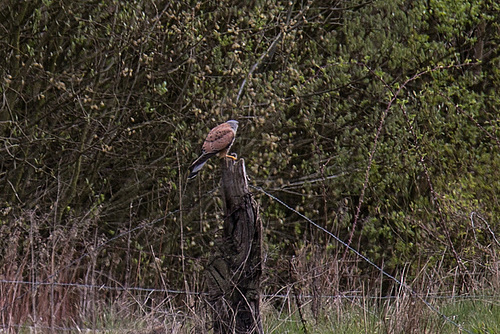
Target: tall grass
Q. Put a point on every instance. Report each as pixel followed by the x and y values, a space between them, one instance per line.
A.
pixel 70 279
pixel 340 315
pixel 401 315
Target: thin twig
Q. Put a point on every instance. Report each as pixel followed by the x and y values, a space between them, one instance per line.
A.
pixel 269 51
pixel 375 143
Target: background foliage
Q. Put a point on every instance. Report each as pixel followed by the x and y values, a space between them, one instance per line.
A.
pixel 379 120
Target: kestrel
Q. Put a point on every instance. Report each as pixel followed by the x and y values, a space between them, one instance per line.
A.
pixel 219 141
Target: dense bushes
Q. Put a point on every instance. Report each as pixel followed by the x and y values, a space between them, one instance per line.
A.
pixel 379 120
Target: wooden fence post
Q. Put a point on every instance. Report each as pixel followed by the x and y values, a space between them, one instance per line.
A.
pixel 234 272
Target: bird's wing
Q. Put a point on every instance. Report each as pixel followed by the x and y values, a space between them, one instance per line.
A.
pixel 220 138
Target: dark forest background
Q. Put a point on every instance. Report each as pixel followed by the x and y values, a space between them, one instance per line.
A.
pixel 378 120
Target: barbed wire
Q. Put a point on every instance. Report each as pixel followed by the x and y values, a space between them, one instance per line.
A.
pixel 268 295
pixel 100 287
pixel 422 297
pixel 99 247
pixel 33 328
pixel 367 260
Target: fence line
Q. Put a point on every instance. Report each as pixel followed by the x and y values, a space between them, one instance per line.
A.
pixel 423 298
pixel 33 328
pixel 367 260
pixel 269 295
pixel 99 287
pixel 99 247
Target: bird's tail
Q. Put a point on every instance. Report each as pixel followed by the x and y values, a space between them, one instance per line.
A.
pixel 198 164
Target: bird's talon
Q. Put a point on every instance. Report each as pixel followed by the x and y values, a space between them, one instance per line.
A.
pixel 232 156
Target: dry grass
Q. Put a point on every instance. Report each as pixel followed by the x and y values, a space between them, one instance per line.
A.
pixel 56 282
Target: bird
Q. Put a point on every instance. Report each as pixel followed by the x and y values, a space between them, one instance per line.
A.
pixel 218 142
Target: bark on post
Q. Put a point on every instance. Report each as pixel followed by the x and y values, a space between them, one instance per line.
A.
pixel 234 273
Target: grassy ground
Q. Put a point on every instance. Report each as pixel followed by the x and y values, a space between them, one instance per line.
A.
pixel 478 316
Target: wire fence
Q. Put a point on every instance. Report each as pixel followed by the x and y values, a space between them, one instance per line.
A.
pixel 356 297
pixel 33 285
pixel 349 295
pixel 423 298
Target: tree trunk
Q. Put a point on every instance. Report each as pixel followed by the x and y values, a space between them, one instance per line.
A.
pixel 234 273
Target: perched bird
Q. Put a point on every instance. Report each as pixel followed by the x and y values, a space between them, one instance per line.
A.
pixel 219 141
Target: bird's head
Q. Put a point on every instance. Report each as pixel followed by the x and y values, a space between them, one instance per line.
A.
pixel 233 124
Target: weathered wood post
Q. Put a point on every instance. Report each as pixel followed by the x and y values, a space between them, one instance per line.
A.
pixel 234 272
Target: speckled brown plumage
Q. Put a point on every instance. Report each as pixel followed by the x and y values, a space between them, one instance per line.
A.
pixel 218 141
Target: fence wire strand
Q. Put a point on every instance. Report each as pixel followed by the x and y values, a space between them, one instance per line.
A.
pixel 349 296
pixel 423 298
pixel 367 260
